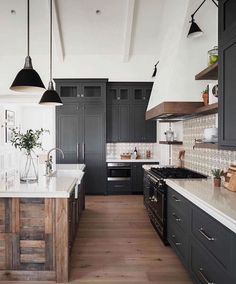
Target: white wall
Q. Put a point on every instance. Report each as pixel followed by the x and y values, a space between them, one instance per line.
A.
pixel 8 155
pixel 182 58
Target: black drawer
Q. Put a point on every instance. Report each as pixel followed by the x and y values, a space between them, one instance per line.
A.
pixel 178 240
pixel 212 235
pixel 119 187
pixel 179 217
pixel 204 267
pixel 177 201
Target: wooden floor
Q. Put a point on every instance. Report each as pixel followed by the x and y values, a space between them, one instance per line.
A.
pixel 116 244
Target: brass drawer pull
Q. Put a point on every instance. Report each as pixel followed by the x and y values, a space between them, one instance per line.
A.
pixel 205 235
pixel 177 219
pixel 175 198
pixel 204 277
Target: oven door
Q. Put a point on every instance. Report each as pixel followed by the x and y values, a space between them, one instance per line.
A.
pixel 156 202
pixel 118 172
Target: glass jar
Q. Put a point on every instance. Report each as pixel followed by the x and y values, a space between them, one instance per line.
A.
pixel 213 56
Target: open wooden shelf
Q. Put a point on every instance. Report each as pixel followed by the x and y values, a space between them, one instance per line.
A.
pixel 206 145
pixel 210 73
pixel 205 110
pixel 171 142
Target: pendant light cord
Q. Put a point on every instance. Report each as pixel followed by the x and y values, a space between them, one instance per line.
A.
pixel 50 40
pixel 201 6
pixel 28 29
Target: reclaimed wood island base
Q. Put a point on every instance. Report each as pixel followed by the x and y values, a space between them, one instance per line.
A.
pixel 37 234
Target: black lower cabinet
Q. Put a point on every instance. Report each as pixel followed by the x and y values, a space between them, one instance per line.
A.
pixel 204 268
pixel 205 246
pixel 118 187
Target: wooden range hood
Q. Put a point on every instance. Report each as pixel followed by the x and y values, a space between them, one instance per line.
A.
pixel 173 110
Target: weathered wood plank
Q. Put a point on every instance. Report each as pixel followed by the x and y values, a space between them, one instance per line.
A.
pixel 12 275
pixel 32 244
pixel 32 258
pixel 61 235
pixel 15 215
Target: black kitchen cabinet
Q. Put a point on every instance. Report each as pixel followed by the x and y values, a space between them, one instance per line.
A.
pixel 81 90
pixel 227 71
pixel 118 123
pixel 69 133
pixel 81 129
pixel 126 107
pixel 137 178
pixel 205 246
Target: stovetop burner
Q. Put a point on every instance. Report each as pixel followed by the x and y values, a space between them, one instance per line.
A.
pixel 175 173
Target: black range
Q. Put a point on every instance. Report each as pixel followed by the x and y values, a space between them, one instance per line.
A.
pixel 155 194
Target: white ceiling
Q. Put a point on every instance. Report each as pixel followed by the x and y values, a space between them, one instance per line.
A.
pixel 83 32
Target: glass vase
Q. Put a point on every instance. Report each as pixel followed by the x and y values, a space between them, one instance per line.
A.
pixel 29 168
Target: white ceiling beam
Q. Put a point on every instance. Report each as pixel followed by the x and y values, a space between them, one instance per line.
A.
pixel 57 32
pixel 128 30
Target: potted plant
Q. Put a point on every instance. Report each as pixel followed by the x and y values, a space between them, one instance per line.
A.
pixel 27 143
pixel 217 174
pixel 205 96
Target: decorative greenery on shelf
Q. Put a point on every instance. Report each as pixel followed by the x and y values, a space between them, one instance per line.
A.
pixel 29 140
pixel 217 173
pixel 206 91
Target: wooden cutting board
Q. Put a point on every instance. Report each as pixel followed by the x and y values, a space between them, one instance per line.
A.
pixel 230 178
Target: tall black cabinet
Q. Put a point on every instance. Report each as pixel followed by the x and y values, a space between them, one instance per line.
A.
pixel 81 128
pixel 227 71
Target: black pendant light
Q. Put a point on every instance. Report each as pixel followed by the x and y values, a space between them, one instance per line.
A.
pixel 50 96
pixel 27 80
pixel 194 30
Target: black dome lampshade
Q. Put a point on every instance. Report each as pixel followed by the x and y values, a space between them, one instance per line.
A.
pixel 194 30
pixel 27 80
pixel 50 97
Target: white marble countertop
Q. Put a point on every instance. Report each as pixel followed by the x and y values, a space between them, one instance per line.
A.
pixel 217 202
pixel 58 185
pixel 132 161
pixel 79 167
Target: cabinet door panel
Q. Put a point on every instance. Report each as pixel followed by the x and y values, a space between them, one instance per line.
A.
pixel 139 123
pixel 94 148
pixel 227 19
pixel 91 91
pixel 124 123
pixel 69 92
pixel 227 98
pixel 69 133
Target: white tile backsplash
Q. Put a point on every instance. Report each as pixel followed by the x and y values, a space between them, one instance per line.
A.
pixel 114 150
pixel 202 160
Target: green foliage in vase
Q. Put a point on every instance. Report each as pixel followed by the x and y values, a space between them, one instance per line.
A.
pixel 29 140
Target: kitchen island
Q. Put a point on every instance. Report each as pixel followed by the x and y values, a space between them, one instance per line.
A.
pixel 38 224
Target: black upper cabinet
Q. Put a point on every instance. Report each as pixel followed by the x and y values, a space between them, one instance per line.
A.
pixel 126 107
pixel 83 90
pixel 227 71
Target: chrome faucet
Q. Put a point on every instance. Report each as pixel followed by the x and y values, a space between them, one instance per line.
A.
pixel 49 161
